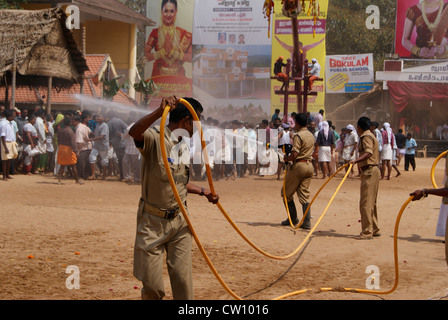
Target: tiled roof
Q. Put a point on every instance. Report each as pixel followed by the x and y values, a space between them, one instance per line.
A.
pixel 23 95
pixel 115 7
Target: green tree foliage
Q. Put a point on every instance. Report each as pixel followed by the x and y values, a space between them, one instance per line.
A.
pixel 11 4
pixel 347 32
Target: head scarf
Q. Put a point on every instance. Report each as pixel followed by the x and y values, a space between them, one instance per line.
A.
pixel 325 128
pixel 350 127
pixel 386 126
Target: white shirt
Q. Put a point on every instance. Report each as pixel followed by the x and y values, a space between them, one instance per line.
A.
pixel 40 127
pixel 315 69
pixel 7 130
pixel 129 143
pixel 285 139
pixel 82 131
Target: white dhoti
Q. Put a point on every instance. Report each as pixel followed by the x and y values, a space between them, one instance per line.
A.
pixel 387 152
pixel 346 154
pixel 324 154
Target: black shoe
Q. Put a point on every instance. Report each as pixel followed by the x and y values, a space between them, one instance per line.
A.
pixel 307 221
pixel 287 223
pixel 292 213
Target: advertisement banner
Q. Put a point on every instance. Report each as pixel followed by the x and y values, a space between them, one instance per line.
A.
pixel 232 60
pixel 312 45
pixel 230 22
pixel 421 29
pixel 349 73
pixel 168 49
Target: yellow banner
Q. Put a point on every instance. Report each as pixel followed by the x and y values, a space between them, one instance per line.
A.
pixel 312 44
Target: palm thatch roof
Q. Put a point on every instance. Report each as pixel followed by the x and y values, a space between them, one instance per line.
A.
pixel 44 48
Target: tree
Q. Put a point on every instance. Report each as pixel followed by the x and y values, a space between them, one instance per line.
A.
pixel 347 32
pixel 11 4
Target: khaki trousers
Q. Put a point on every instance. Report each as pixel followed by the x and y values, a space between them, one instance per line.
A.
pixel 154 237
pixel 298 179
pixel 370 180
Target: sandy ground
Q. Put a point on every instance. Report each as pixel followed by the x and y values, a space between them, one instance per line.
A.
pixel 46 227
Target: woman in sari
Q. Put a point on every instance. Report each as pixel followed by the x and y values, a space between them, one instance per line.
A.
pixel 169 46
pixel 430 18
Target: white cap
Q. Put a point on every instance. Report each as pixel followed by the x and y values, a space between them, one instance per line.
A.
pixel 314 60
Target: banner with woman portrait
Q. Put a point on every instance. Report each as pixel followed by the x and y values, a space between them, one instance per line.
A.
pixel 168 48
pixel 421 30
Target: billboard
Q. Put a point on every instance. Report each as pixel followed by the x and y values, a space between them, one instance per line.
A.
pixel 349 73
pixel 168 48
pixel 312 44
pixel 232 59
pixel 421 29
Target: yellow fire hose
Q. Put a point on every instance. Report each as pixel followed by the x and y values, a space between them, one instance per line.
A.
pixel 201 248
pixel 433 168
pixel 315 196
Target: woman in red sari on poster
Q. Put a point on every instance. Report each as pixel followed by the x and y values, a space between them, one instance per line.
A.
pixel 430 18
pixel 171 44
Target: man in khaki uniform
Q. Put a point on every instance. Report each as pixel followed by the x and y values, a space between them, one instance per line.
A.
pixel 370 179
pixel 441 192
pixel 299 175
pixel 161 226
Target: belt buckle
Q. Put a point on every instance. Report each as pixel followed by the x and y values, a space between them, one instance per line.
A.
pixel 170 214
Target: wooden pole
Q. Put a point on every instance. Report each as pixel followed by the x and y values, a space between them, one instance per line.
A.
pixel 14 79
pixel 83 50
pixel 50 89
pixel 297 64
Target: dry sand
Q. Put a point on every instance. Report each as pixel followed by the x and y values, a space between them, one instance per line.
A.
pixel 46 227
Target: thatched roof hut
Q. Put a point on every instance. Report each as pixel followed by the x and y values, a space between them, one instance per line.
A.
pixel 43 46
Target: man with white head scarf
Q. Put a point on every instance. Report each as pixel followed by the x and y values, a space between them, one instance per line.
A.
pixel 388 140
pixel 325 142
pixel 350 145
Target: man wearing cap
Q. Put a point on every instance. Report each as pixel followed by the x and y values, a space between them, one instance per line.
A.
pixel 314 73
pixel 161 226
pixel 370 179
pixel 300 172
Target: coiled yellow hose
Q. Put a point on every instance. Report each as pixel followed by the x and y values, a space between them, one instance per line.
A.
pixel 433 168
pixel 200 246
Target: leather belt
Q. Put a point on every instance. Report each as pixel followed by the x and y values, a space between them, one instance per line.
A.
pixel 302 160
pixel 367 167
pixel 165 214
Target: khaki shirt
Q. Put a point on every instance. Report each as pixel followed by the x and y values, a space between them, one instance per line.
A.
pixel 369 144
pixel 303 144
pixel 156 188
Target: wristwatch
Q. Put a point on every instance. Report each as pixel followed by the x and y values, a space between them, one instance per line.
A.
pixel 424 193
pixel 202 191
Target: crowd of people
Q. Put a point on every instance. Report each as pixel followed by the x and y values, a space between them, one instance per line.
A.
pixel 99 146
pixel 332 149
pixel 71 144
